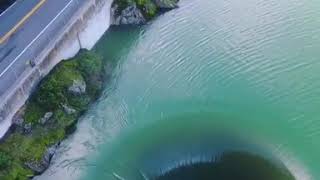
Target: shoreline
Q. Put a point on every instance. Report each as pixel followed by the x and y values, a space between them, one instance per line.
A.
pixel 39 127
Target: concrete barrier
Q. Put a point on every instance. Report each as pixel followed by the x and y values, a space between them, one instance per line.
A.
pixel 83 30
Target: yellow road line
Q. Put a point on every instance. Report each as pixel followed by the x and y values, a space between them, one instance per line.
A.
pixel 23 20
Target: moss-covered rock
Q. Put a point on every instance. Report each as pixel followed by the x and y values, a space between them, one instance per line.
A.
pixel 139 11
pixel 25 153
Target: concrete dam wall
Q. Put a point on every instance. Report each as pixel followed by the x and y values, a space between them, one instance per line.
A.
pixel 81 29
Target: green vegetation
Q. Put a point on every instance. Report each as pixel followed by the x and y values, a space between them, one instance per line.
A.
pixel 53 95
pixel 4 160
pixel 149 8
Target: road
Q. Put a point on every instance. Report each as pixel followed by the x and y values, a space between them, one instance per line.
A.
pixel 25 29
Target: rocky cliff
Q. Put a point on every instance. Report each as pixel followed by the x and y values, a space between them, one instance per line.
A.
pixel 135 12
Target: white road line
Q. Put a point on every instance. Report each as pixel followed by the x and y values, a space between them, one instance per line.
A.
pixel 30 44
pixel 8 8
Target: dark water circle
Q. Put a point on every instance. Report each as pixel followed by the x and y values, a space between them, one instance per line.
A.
pixel 230 166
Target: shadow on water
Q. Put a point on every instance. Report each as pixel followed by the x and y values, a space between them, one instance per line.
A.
pixel 230 166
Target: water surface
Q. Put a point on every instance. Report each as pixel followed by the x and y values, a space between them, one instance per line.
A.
pixel 247 69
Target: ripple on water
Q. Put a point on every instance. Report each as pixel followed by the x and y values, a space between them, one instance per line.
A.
pixel 255 60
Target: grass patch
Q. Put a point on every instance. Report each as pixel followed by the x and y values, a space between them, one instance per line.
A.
pixel 149 8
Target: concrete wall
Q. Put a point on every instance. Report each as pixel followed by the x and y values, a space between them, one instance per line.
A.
pixel 83 30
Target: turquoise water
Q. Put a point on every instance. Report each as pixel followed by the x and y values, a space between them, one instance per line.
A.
pixel 203 79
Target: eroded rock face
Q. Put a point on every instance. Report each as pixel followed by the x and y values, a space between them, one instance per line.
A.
pixel 130 15
pixel 46 118
pixel 78 87
pixel 68 109
pixel 137 12
pixel 40 166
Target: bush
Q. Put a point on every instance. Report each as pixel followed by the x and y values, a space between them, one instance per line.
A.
pixel 91 67
pixel 147 7
pixel 52 92
pixel 18 148
pixel 5 160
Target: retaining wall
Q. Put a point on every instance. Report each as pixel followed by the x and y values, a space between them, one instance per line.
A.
pixel 85 27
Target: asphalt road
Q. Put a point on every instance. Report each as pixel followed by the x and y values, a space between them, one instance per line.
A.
pixel 30 26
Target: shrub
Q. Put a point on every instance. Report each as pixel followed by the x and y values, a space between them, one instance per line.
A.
pixel 5 160
pixel 19 148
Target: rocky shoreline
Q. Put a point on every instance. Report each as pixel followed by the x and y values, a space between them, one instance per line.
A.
pixel 138 12
pixel 50 115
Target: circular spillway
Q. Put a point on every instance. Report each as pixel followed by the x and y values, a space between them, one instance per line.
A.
pixel 192 146
pixel 232 165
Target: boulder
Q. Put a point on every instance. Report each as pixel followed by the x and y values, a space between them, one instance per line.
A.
pixel 46 118
pixel 130 15
pixel 27 128
pixel 18 119
pixel 78 87
pixel 68 109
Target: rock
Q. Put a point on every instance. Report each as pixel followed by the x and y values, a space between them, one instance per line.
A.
pixel 68 109
pixel 36 167
pixel 130 15
pixel 40 166
pixel 27 128
pixel 133 14
pixel 78 87
pixel 46 118
pixel 49 153
pixel 18 121
pixel 166 4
